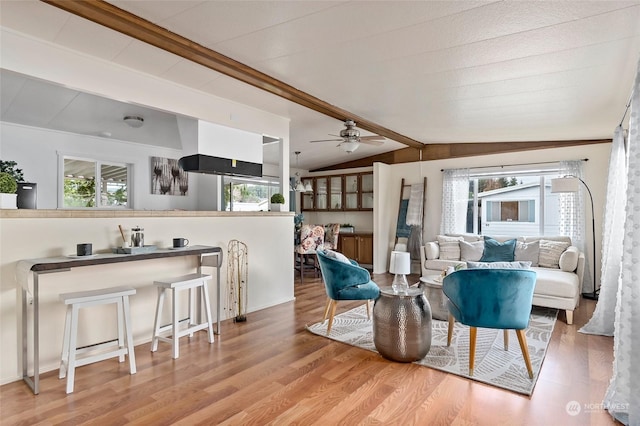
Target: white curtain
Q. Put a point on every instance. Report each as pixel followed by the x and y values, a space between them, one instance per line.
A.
pixel 623 395
pixel 455 197
pixel 572 217
pixel 602 321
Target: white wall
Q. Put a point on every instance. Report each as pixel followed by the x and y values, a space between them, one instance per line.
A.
pixel 595 175
pixel 270 273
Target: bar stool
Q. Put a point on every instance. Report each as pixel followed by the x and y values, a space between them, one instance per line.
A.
pixel 84 299
pixel 190 282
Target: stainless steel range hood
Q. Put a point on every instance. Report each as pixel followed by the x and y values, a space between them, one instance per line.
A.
pixel 221 150
pixel 208 164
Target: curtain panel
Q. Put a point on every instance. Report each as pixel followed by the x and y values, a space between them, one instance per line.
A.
pixel 455 197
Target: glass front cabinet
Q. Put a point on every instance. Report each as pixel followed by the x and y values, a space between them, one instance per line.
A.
pixel 339 192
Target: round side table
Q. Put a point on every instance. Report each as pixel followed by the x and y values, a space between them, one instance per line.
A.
pixel 432 287
pixel 402 325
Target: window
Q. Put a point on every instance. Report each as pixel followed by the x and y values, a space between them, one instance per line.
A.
pixel 94 184
pixel 247 194
pixel 517 204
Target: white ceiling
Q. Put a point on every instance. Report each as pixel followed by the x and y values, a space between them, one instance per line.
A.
pixel 436 71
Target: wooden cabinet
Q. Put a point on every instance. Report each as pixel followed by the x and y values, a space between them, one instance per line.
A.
pixel 357 246
pixel 339 192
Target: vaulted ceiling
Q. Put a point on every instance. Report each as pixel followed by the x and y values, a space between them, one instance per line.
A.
pixel 432 71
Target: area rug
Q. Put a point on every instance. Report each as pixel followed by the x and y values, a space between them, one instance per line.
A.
pixel 493 365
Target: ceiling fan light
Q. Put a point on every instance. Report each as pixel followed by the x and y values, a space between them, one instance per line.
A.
pixel 349 146
pixel 134 121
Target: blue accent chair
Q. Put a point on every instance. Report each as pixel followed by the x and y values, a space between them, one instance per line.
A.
pixel 344 281
pixel 491 298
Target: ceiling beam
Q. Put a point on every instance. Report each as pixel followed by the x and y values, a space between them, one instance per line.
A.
pixel 442 151
pixel 119 20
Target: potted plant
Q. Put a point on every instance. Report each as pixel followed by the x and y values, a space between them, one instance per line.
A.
pixel 277 200
pixel 8 187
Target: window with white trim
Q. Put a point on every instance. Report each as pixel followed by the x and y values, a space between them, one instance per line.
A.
pixel 90 183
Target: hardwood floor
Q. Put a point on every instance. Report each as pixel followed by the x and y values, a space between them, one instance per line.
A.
pixel 270 370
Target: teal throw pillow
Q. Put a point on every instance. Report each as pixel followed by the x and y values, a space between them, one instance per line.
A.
pixel 495 251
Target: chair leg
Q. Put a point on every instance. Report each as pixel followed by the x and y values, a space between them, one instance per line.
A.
pixel 334 305
pixel 452 322
pixel 505 333
pixel 368 310
pixel 525 351
pixel 64 359
pixel 326 309
pixel 126 316
pixel 473 332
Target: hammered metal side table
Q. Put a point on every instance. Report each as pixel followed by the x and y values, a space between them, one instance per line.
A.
pixel 402 325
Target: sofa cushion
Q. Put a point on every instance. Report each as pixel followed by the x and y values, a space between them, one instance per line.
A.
pixel 556 283
pixel 449 247
pixel 569 259
pixel 550 252
pixel 528 252
pixel 471 251
pixel 431 250
pixel 495 251
pixel 499 265
pixel 442 265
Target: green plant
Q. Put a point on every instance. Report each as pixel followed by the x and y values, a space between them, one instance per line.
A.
pixel 277 199
pixel 10 168
pixel 8 184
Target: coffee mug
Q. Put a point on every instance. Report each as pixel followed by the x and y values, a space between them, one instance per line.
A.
pixel 83 249
pixel 180 242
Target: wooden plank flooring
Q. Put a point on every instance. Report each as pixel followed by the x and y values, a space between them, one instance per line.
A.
pixel 270 370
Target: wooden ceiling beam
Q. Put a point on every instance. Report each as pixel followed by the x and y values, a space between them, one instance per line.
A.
pixel 119 20
pixel 442 151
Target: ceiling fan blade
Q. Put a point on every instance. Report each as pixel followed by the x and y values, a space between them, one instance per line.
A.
pixel 372 138
pixel 371 142
pixel 328 140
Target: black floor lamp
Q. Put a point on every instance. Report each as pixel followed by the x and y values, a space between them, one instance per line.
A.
pixel 570 183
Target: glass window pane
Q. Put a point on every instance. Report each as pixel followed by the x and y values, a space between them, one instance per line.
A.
pixel 79 183
pixel 113 186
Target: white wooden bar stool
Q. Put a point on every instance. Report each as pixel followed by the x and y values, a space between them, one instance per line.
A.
pixel 70 351
pixel 190 282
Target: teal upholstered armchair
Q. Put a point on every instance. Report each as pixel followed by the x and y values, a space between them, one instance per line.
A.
pixel 344 279
pixel 491 298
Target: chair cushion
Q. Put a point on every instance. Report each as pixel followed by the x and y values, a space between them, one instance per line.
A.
pixel 495 251
pixel 528 252
pixel 550 252
pixel 471 251
pixel 499 265
pixel 365 291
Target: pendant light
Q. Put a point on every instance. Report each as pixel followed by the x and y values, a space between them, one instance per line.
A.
pixel 299 187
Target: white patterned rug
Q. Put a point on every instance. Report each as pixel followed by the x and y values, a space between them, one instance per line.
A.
pixel 493 365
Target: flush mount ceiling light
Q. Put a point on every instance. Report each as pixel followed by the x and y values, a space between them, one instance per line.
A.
pixel 134 121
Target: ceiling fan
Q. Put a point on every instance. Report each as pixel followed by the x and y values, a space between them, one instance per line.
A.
pixel 350 138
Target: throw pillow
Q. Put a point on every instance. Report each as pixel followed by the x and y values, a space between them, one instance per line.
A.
pixel 528 252
pixel 471 251
pixel 337 256
pixel 569 259
pixel 550 252
pixel 495 251
pixel 449 247
pixel 499 265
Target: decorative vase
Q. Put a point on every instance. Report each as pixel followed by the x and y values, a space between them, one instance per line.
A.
pixel 276 207
pixel 8 201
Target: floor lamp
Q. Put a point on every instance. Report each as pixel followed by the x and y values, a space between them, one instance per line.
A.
pixel 571 184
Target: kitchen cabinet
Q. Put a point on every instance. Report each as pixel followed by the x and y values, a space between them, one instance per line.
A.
pixel 357 246
pixel 339 193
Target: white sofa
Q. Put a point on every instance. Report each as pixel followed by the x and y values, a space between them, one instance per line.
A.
pixel 558 285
